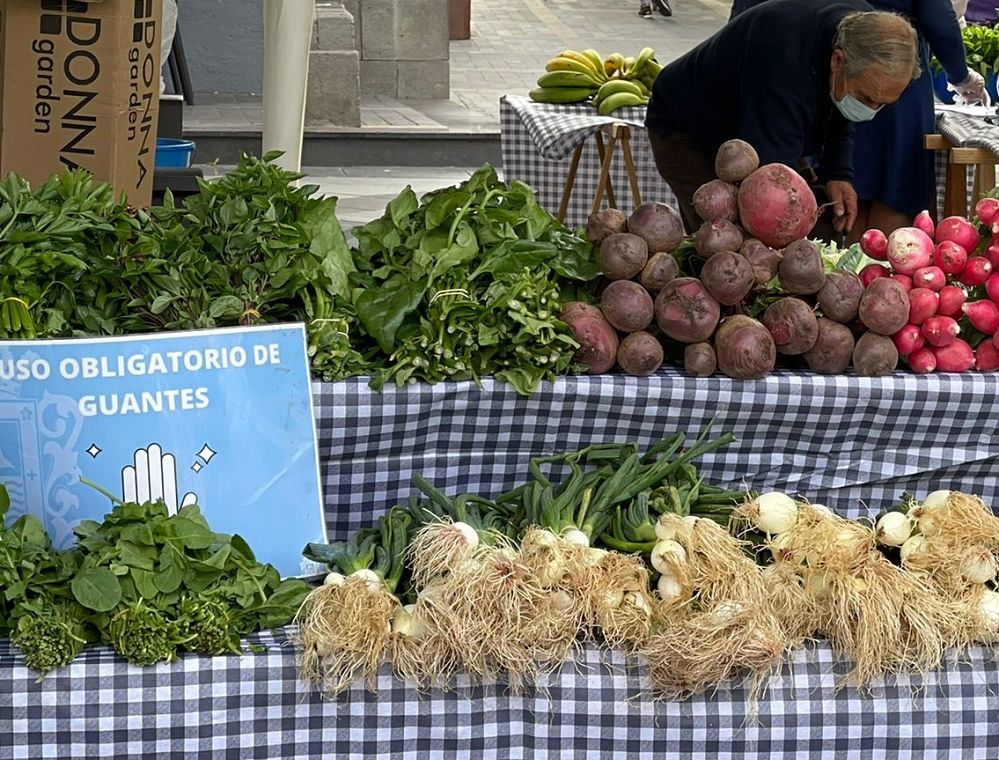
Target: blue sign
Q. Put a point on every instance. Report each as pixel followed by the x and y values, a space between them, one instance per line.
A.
pixel 221 418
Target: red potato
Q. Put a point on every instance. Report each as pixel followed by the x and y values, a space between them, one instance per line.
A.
pixel 662 268
pixel 904 280
pixel 716 236
pixel 764 260
pixel 627 306
pixel 924 222
pixel 685 311
pixel 874 355
pixel 745 348
pixel 909 340
pixel 623 255
pixel 923 361
pixel 793 325
pixel 603 223
pixel 640 354
pixel 929 277
pixel 976 271
pixel 833 349
pixel 717 199
pixel 952 298
pixel 954 357
pixel 874 243
pixel 659 225
pixel 840 296
pixel 728 277
pixel 909 249
pixel 598 343
pixel 986 357
pixel 736 160
pixel 801 270
pixel 777 206
pixel 884 307
pixel 923 304
pixel 872 272
pixel 983 315
pixel 959 230
pixel 699 360
pixel 940 331
pixel 950 257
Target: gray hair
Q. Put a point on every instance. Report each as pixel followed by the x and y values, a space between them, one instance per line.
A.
pixel 876 38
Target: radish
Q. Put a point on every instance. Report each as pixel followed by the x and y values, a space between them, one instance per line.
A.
pixel 952 298
pixel 987 356
pixel 929 277
pixel 992 287
pixel 976 272
pixel 987 211
pixel 960 230
pixel 904 280
pixel 924 222
pixel 923 361
pixel 955 357
pixel 995 340
pixel 940 331
pixel 983 315
pixel 871 272
pixel 874 243
pixel 950 257
pixel 923 304
pixel 909 339
pixel 909 249
pixel 992 252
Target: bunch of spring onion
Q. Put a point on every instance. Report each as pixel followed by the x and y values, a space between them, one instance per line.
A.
pixel 950 539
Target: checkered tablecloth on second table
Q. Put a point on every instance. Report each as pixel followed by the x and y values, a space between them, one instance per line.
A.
pixel 255 707
pixel 969 131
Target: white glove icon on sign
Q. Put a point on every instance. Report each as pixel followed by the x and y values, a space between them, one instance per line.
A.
pixel 153 476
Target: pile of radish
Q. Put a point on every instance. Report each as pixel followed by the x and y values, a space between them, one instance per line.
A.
pixel 951 274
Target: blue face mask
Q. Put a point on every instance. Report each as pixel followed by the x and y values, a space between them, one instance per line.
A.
pixel 853 110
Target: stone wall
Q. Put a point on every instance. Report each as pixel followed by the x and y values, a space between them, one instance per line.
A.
pixel 334 94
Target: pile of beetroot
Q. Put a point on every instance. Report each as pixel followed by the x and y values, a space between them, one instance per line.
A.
pixel 755 290
pixel 951 277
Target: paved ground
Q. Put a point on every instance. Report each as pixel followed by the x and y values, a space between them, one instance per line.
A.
pixel 511 41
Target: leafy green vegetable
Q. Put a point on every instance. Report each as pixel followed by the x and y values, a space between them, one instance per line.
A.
pixel 981 50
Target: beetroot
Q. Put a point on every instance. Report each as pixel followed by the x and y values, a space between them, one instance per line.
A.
pixel 992 287
pixel 640 354
pixel 762 258
pixel 874 243
pixel 884 307
pixel 908 340
pixel 986 357
pixel 987 211
pixel 976 271
pixel 872 272
pixel 736 160
pixel 940 331
pixel 717 199
pixel 959 230
pixel 929 277
pixel 745 348
pixel 840 296
pixel 833 349
pixel 793 324
pixel 923 361
pixel 950 257
pixel 623 255
pixel 597 343
pixel 627 306
pixel 662 268
pixel 957 356
pixel 658 225
pixel 777 206
pixel 728 277
pixel 874 355
pixel 699 360
pixel 924 222
pixel 717 235
pixel 909 249
pixel 604 223
pixel 923 304
pixel 983 315
pixel 577 310
pixel 904 280
pixel 952 298
pixel 685 311
pixel 801 270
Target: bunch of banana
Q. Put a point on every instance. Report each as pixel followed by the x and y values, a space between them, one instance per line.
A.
pixel 629 82
pixel 570 77
pixel 620 93
pixel 15 320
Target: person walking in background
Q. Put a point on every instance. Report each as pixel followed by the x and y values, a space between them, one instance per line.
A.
pixel 894 175
pixel 663 6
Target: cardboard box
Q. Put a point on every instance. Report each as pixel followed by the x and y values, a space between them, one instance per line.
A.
pixel 79 87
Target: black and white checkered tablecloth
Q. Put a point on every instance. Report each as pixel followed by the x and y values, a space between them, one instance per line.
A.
pixel 538 140
pixel 255 707
pixel 969 131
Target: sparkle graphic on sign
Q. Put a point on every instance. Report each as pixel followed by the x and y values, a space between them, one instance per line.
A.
pixel 94 450
pixel 197 466
pixel 206 454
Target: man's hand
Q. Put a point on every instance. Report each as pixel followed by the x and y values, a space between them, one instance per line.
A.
pixel 844 204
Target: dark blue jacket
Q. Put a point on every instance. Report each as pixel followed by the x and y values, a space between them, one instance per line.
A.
pixel 764 78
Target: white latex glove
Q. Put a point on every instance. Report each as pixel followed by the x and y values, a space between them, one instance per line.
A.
pixel 972 90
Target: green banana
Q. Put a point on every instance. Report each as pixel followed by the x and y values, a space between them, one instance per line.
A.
pixel 560 94
pixel 626 69
pixel 570 64
pixel 568 79
pixel 641 61
pixel 620 100
pixel 617 85
pixel 597 62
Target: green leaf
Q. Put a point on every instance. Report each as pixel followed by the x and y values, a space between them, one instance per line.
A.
pixel 219 558
pixel 145 583
pixel 191 534
pixel 136 555
pixel 241 548
pixel 402 206
pixel 226 307
pixel 97 589
pixel 170 575
pixel 161 303
pixel 382 310
pixel 443 206
pixel 464 249
pixel 4 502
